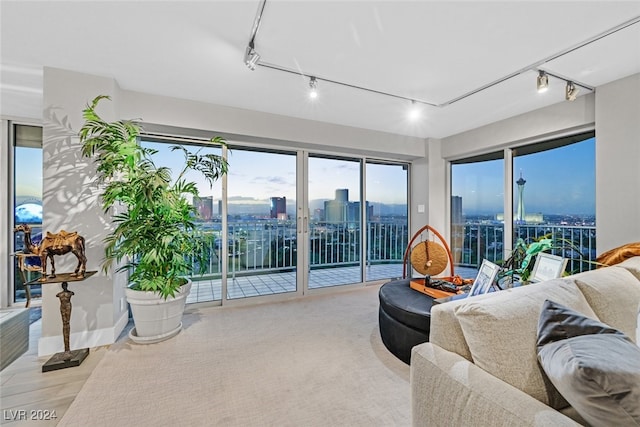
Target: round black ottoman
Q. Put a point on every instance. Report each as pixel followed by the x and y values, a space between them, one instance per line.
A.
pixel 404 318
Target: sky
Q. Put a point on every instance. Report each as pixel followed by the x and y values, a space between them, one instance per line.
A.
pixel 255 176
pixel 558 181
pixel 28 177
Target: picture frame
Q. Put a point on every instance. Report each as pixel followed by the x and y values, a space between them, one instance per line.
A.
pixel 547 267
pixel 486 277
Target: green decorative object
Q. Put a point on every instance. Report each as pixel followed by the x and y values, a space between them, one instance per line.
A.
pixel 518 267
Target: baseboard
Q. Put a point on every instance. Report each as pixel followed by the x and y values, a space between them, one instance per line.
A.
pixel 86 339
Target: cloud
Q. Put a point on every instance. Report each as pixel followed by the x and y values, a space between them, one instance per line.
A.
pixel 274 180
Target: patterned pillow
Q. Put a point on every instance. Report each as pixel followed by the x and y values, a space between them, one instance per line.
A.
pixel 595 367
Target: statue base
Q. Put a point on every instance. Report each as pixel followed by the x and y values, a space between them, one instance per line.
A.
pixel 65 359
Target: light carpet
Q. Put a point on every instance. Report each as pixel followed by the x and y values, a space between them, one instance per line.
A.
pixel 313 361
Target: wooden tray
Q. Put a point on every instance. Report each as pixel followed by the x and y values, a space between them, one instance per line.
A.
pixel 418 285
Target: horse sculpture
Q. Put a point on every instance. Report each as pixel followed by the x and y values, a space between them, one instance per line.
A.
pixel 56 244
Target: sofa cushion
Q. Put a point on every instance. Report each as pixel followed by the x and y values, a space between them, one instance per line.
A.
pixel 501 332
pixel 614 295
pixel 594 366
pixel 633 265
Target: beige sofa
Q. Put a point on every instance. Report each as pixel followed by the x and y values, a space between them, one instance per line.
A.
pixel 480 366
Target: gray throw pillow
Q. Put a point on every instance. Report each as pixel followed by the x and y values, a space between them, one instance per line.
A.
pixel 596 368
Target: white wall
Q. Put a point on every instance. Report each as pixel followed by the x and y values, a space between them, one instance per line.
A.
pixel 419 194
pixel 555 120
pixel 618 163
pixel 285 131
pixel 71 203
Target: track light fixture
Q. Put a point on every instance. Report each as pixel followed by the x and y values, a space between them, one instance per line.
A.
pixel 571 92
pixel 414 112
pixel 543 81
pixel 571 89
pixel 251 57
pixel 313 88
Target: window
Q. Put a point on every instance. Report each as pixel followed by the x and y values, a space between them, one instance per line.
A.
pixel 335 232
pixel 477 202
pixel 263 245
pixel 27 179
pixel 387 219
pixel 285 235
pixel 206 287
pixel 553 196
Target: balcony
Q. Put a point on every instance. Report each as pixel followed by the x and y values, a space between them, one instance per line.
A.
pixel 474 242
pixel 262 254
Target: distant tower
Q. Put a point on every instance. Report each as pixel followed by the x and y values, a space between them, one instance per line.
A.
pixel 278 207
pixel 456 210
pixel 520 216
pixel 342 195
pixel 204 206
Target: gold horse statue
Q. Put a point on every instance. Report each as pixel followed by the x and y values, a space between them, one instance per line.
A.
pixel 56 244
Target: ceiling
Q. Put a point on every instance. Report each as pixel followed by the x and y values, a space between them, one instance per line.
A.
pixel 433 51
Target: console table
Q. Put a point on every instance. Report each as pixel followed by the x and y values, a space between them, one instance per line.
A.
pixel 67 358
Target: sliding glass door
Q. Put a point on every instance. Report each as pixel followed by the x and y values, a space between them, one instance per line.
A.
pixel 335 233
pixel 387 219
pixel 286 222
pixel 262 240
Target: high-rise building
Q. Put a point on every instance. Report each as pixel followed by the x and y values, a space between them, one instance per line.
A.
pixel 278 207
pixel 318 215
pixel 456 210
pixel 342 195
pixel 204 206
pixel 342 210
pixel 520 213
pixel 520 216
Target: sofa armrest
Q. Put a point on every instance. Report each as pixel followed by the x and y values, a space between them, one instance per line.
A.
pixel 448 390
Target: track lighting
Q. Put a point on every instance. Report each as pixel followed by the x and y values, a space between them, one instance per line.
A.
pixel 543 82
pixel 313 88
pixel 414 112
pixel 571 92
pixel 251 57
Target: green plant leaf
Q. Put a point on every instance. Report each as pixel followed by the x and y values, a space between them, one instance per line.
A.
pixel 155 237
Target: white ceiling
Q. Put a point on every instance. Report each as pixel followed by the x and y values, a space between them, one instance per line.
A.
pixel 434 51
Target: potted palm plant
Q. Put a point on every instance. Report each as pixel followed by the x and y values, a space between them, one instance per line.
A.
pixel 154 237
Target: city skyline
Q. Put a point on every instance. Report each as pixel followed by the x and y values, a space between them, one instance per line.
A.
pixel 558 181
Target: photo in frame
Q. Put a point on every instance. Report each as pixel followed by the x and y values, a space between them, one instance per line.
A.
pixel 486 277
pixel 547 267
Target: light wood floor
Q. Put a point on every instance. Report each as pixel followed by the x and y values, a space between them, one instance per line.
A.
pixel 27 394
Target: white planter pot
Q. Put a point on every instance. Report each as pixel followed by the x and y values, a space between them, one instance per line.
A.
pixel 155 318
